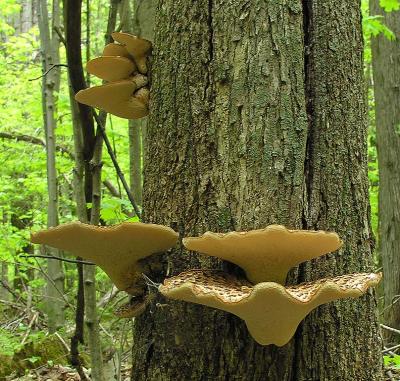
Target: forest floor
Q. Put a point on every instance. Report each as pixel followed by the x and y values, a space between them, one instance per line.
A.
pixel 61 373
pixel 392 374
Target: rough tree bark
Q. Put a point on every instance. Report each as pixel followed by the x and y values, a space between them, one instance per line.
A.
pixel 386 72
pixel 247 130
pixel 49 43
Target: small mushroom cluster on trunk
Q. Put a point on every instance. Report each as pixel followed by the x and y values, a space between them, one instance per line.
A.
pixel 271 310
pixel 123 66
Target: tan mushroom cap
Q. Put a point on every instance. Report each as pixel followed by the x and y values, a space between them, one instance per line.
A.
pixel 116 249
pixel 116 98
pixel 137 47
pixel 271 311
pixel 114 49
pixel 267 254
pixel 111 68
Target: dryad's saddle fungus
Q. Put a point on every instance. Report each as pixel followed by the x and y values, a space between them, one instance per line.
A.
pixel 116 98
pixel 267 254
pixel 116 249
pixel 114 49
pixel 111 68
pixel 137 47
pixel 271 311
pixel 122 66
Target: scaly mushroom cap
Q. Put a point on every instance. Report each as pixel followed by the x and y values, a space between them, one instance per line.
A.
pixel 137 47
pixel 271 311
pixel 111 68
pixel 116 98
pixel 114 49
pixel 267 254
pixel 116 249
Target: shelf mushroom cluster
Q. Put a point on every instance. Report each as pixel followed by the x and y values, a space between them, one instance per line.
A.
pixel 270 310
pixel 123 66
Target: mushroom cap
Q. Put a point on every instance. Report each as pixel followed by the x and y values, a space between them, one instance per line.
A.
pixel 271 311
pixel 267 254
pixel 114 97
pixel 116 249
pixel 136 47
pixel 114 49
pixel 111 68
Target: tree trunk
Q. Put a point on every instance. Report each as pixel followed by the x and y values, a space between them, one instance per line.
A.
pixel 336 195
pixel 231 145
pixel 386 71
pixel 49 47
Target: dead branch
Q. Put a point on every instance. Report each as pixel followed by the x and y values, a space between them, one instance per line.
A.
pixel 34 140
pixel 390 329
pixel 48 71
pixel 115 162
pixel 57 258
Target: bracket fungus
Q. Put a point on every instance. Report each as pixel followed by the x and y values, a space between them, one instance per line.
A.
pixel 266 255
pixel 116 98
pixel 137 47
pixel 123 66
pixel 116 249
pixel 271 311
pixel 116 50
pixel 111 68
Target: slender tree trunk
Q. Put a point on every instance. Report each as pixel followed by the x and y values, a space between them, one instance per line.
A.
pixel 4 285
pixel 79 193
pixel 85 140
pixel 135 159
pixel 50 46
pixel 386 71
pixel 88 172
pixel 4 293
pixel 244 131
pixel 133 23
pixel 91 317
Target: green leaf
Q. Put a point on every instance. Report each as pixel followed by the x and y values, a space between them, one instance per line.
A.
pixel 373 26
pixel 390 5
pixel 392 361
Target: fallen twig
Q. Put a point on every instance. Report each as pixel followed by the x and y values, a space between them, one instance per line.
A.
pixel 386 350
pixel 28 331
pixel 390 329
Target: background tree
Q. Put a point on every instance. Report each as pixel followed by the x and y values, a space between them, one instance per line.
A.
pixel 269 126
pixel 50 45
pixel 386 71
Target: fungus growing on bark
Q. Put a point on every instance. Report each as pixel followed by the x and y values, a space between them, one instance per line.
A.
pixel 137 47
pixel 111 68
pixel 271 311
pixel 114 49
pixel 117 98
pixel 116 249
pixel 267 254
